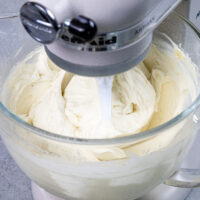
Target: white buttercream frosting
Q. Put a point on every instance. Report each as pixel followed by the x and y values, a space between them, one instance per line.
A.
pixel 144 97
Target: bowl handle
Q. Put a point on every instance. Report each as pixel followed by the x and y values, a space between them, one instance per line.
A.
pixel 185 178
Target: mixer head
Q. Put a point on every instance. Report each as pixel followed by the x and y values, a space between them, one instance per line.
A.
pixel 95 37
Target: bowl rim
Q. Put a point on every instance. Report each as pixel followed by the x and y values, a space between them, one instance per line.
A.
pixel 108 141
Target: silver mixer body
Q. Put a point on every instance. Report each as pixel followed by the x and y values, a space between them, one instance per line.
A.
pixel 121 32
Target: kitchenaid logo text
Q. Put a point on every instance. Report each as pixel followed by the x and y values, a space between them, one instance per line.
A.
pixel 144 26
pixel 98 41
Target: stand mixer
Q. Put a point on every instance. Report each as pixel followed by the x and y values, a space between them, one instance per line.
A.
pixel 86 40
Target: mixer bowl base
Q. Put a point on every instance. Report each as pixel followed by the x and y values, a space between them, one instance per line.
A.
pixel 162 192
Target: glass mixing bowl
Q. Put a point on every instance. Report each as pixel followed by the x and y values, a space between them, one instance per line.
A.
pixel 43 155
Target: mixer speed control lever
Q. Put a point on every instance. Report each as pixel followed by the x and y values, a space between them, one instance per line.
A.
pixel 42 25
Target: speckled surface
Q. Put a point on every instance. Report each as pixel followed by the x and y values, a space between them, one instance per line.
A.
pixel 14 185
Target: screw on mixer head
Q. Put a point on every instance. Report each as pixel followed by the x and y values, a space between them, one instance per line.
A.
pixel 42 25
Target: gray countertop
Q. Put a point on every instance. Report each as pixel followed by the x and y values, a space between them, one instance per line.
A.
pixel 14 185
